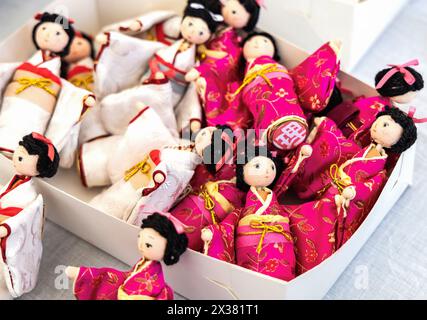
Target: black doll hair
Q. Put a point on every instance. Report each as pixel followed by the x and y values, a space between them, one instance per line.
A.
pixel 396 85
pixel 253 8
pixel 409 135
pixel 242 61
pixel 335 100
pixel 204 14
pixel 176 243
pixel 45 167
pixel 249 155
pixel 213 153
pixel 61 20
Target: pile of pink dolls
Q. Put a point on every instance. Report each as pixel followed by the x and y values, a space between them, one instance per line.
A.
pixel 198 129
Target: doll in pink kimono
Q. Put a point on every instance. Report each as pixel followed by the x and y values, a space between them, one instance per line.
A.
pixel 219 67
pixel 21 215
pixel 347 188
pixel 161 238
pixel 263 240
pixel 397 86
pixel 268 92
pixel 212 197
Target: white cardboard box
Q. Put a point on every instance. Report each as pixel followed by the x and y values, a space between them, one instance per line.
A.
pixel 196 276
pixel 310 23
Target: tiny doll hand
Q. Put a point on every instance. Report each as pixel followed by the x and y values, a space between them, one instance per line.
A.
pixel 336 45
pixel 101 39
pixel 72 272
pixel 207 235
pixel 306 151
pixel 3 232
pixel 201 87
pixel 195 126
pixel 192 75
pixel 135 26
pixel 90 101
pixel 349 194
pixel 159 76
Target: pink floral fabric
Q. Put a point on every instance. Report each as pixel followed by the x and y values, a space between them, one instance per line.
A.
pixel 268 92
pixel 144 281
pixel 264 242
pixel 204 208
pixel 319 226
pixel 222 244
pixel 315 78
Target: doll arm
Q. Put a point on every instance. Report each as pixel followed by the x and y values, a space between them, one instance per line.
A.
pixel 189 110
pixel 313 133
pixel 141 23
pixel 72 272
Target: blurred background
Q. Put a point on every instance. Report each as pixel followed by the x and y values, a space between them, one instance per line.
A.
pixel 374 33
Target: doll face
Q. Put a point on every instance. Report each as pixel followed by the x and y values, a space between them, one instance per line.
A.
pixel 203 139
pixel 235 14
pixel 195 30
pixel 151 244
pixel 405 98
pixel 79 50
pixel 259 172
pixel 24 163
pixel 258 46
pixel 51 36
pixel 386 132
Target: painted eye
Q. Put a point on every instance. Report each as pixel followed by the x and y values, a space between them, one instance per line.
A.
pixel 43 28
pixel 234 12
pixel 201 33
pixel 148 245
pixel 20 159
pixel 190 24
pixel 257 166
pixel 58 33
pixel 385 125
pixel 273 168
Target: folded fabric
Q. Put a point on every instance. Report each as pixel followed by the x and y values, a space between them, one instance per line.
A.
pixel 92 163
pixel 145 132
pixel 189 109
pixel 177 168
pixel 122 61
pixel 117 110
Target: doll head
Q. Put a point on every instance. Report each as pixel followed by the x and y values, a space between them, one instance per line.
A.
pixel 259 169
pixel 162 238
pixel 241 14
pixel 53 33
pixel 199 23
pixel 36 157
pixel 394 130
pixel 399 83
pixel 81 48
pixel 255 45
pixel 215 146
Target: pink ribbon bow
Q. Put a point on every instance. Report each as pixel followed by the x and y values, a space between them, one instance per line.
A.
pixel 179 226
pixel 50 148
pixel 411 114
pixel 409 78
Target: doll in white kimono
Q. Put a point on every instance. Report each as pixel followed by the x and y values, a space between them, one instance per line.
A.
pixel 173 62
pixel 35 99
pixel 21 215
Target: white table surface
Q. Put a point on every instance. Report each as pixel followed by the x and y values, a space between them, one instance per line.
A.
pixel 395 256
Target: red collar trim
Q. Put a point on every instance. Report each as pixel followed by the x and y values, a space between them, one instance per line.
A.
pixel 43 72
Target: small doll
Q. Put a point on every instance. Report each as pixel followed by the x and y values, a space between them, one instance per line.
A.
pixel 161 238
pixel 220 64
pixel 396 85
pixel 53 35
pixel 36 99
pixel 347 189
pixel 78 65
pixel 212 194
pixel 105 160
pixel 158 25
pixel 268 92
pixel 21 215
pixel 264 242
